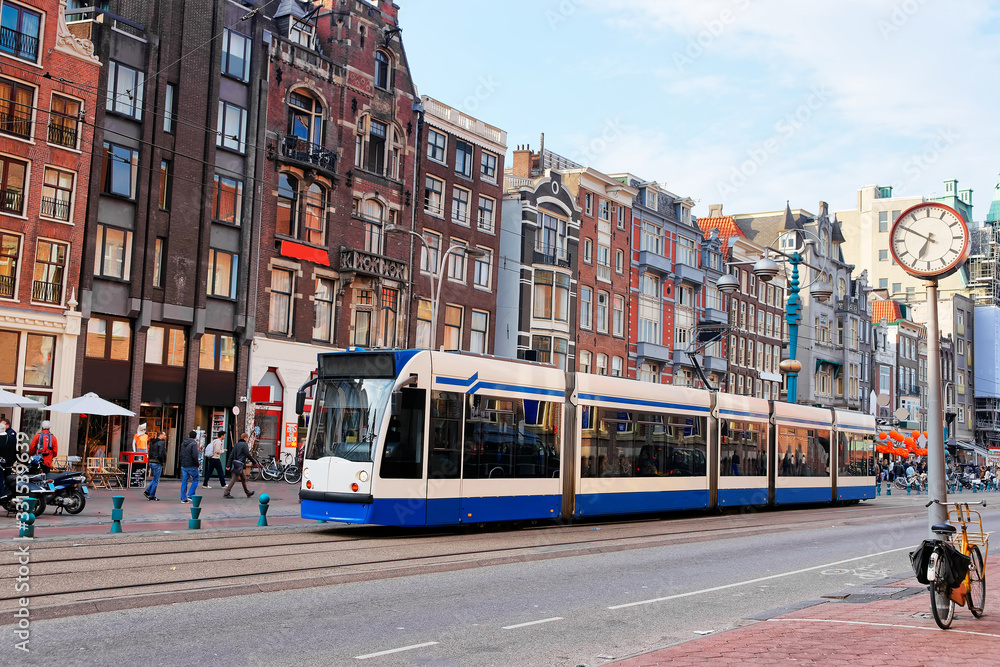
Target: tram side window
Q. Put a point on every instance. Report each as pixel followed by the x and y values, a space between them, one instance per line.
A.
pixel 402 456
pixel 644 444
pixel 803 452
pixel 510 438
pixel 856 455
pixel 445 443
pixel 538 450
pixel 743 448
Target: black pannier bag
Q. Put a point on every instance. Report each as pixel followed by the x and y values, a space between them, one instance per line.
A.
pixel 956 565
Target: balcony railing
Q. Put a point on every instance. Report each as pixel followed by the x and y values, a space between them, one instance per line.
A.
pixel 62 135
pixel 486 223
pixel 553 255
pixel 19 44
pixel 12 201
pixel 6 287
pixel 369 264
pixel 304 152
pixel 46 292
pixel 54 208
pixel 16 120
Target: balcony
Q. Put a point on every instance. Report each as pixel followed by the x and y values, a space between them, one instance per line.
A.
pixel 649 260
pixel 370 264
pixel 46 292
pixel 6 287
pixel 298 151
pixel 12 201
pixel 653 352
pixel 689 274
pixel 54 208
pixel 715 364
pixel 681 357
pixel 555 255
pixel 714 316
pixel 16 121
pixel 18 44
pixel 63 135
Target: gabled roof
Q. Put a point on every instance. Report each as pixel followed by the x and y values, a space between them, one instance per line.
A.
pixel 837 236
pixel 890 310
pixel 726 225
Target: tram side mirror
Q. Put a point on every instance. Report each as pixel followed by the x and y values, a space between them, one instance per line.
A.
pixel 396 403
pixel 300 401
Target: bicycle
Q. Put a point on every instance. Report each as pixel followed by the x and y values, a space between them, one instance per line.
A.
pixel 953 566
pixel 272 470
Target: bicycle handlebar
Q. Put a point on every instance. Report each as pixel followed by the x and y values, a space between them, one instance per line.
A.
pixel 982 502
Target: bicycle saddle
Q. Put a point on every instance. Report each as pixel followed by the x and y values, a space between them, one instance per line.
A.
pixel 943 528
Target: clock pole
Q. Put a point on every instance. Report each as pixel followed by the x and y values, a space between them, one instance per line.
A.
pixel 935 417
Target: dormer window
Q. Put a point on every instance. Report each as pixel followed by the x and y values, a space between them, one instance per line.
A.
pixel 649 198
pixel 383 71
pixel 302 33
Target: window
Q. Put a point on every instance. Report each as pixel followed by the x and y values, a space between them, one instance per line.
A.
pixel 649 198
pixel 227 200
pixel 649 373
pixel 431 252
pixel 170 109
pixel 588 203
pixel 16 102
pixel 551 296
pixel 121 166
pixel 372 211
pixel 883 283
pixel 287 218
pixel 323 309
pixel 124 90
pixel 370 145
pixel 616 367
pixel 39 359
pixel 603 262
pixel 12 181
pixel 10 251
pixel 223 271
pixel 551 350
pixel 437 143
pixel 652 238
pixel 303 34
pixel 235 55
pixel 114 253
pixel 602 364
pixel 486 206
pixel 602 312
pixel 166 345
pixel 621 217
pixel 897 288
pixel 158 250
pixel 165 169
pixel 231 130
pixel 883 221
pixel 464 154
pixel 588 251
pixel 649 309
pixel 483 269
pixel 364 301
pixel 585 361
pixel 305 127
pixel 383 70
pixel 50 265
pixel 586 307
pixel 488 166
pixel 434 197
pixel 456 261
pixel 280 316
pixel 314 216
pixel 618 315
pixel 101 345
pixel 604 209
pixel 388 308
pixel 479 326
pixel 619 261
pixel 452 327
pixel 424 324
pixel 883 255
pixel 552 237
pixel 20 30
pixel 57 194
pixel 217 353
pixel 460 205
pixel 686 253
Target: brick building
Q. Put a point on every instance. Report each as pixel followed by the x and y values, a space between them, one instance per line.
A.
pixel 48 96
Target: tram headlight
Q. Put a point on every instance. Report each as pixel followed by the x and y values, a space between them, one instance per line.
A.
pixel 363 476
pixel 305 473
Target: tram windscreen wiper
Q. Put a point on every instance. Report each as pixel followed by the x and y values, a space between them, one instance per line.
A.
pixel 353 451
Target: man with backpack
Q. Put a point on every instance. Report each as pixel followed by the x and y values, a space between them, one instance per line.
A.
pixel 44 444
pixel 213 460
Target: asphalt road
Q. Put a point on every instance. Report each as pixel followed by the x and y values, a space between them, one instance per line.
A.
pixel 579 610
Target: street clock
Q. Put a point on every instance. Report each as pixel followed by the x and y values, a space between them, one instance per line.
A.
pixel 929 240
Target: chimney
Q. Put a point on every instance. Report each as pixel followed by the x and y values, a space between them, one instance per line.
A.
pixel 715 210
pixel 522 162
pixel 823 209
pixel 390 12
pixel 966 196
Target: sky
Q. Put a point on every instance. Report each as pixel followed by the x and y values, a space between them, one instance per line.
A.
pixel 745 103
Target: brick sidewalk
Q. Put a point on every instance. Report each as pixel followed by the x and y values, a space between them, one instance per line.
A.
pixel 887 624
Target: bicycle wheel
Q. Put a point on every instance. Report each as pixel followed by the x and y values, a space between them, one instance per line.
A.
pixel 976 597
pixel 270 473
pixel 942 606
pixel 293 474
pixel 254 473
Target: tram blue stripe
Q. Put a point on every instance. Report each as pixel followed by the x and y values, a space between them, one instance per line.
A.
pixel 598 504
pixel 741 413
pixel 644 403
pixel 810 422
pixel 807 495
pixel 476 386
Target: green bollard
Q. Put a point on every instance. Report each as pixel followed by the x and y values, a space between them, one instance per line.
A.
pixel 264 500
pixel 117 513
pixel 194 523
pixel 26 519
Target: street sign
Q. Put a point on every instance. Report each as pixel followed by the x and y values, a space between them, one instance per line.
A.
pixel 236 410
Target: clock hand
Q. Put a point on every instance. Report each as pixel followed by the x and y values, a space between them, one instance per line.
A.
pixel 916 233
pixel 923 249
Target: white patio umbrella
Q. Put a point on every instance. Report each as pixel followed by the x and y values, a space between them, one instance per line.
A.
pixel 10 399
pixel 90 404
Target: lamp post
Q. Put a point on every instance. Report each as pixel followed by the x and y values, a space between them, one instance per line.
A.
pixel 766 269
pixel 436 275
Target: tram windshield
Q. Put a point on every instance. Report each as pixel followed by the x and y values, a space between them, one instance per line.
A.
pixel 346 416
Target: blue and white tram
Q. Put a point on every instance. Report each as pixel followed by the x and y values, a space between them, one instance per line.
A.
pixel 421 438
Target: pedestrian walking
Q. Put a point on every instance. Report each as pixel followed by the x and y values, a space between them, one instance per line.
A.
pixel 8 452
pixel 241 454
pixel 213 460
pixel 44 444
pixel 157 457
pixel 189 466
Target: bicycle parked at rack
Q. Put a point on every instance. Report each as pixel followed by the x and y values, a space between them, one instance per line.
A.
pixel 272 470
pixel 954 566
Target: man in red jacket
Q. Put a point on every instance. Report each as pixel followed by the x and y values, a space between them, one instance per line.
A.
pixel 44 444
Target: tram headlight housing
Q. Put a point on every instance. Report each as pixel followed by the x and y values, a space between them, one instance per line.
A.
pixel 305 473
pixel 363 476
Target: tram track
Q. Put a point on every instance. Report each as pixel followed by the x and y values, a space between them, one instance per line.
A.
pixel 94 577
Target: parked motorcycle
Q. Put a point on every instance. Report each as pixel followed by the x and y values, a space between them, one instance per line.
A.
pixel 70 488
pixel 39 488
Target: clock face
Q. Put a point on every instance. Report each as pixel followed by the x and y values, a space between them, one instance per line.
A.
pixel 929 240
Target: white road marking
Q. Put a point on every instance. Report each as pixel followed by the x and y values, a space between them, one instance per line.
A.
pixel 933 628
pixel 754 581
pixel 393 650
pixel 522 625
